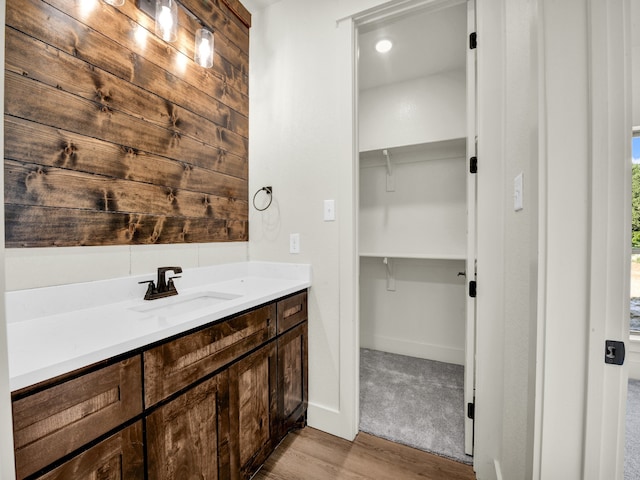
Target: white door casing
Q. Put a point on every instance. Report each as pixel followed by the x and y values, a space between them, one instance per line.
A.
pixel 610 134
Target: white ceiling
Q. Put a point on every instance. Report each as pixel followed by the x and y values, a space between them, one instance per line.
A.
pixel 255 5
pixel 424 43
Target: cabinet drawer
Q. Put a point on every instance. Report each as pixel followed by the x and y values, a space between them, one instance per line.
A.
pixel 53 422
pixel 292 311
pixel 176 364
pixel 119 457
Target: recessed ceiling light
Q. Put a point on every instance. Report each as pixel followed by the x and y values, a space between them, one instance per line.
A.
pixel 383 46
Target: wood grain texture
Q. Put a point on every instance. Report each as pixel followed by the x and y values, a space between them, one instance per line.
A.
pixel 293 383
pixel 241 12
pixel 315 455
pixel 253 411
pixel 67 73
pixel 56 421
pixel 291 311
pixel 182 436
pixel 119 457
pixel 73 227
pixel 180 362
pixel 127 139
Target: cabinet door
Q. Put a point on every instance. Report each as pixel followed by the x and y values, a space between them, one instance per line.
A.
pixel 292 378
pixel 119 457
pixel 252 412
pixel 54 422
pixel 187 438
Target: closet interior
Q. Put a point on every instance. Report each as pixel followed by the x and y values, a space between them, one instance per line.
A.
pixel 413 220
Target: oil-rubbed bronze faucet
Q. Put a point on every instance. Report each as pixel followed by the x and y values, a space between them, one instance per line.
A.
pixel 164 288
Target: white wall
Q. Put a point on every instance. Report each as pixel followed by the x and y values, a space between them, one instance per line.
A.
pixel 424 316
pixel 301 126
pixel 41 267
pixel 415 111
pixel 426 213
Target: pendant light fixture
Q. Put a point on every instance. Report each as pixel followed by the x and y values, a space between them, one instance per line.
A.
pixel 167 20
pixel 203 55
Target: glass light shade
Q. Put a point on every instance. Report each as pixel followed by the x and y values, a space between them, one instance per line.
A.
pixel 203 55
pixel 167 20
pixel 115 3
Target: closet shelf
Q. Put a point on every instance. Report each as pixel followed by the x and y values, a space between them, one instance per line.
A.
pixel 417 256
pixel 446 143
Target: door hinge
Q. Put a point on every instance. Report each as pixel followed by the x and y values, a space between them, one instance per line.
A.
pixel 473 165
pixel 472 288
pixel 471 410
pixel 613 352
pixel 473 40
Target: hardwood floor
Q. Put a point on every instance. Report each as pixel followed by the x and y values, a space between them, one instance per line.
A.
pixel 310 454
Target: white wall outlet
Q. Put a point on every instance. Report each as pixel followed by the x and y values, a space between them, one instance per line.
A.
pixel 517 193
pixel 294 243
pixel 329 210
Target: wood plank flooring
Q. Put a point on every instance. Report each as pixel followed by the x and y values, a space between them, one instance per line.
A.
pixel 310 454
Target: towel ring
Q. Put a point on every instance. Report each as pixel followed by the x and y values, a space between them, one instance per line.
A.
pixel 269 191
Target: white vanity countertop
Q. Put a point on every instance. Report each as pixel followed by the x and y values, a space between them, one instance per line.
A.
pixel 55 330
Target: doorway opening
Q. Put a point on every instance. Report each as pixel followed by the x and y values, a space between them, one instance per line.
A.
pixel 414 213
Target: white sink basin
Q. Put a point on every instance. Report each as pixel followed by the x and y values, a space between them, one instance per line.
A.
pixel 181 304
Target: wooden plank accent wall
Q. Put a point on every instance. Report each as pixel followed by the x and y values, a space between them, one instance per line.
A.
pixel 113 136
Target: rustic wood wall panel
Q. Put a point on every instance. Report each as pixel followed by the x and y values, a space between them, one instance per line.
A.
pixel 113 136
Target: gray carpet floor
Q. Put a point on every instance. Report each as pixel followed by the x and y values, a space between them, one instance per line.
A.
pixel 413 401
pixel 632 444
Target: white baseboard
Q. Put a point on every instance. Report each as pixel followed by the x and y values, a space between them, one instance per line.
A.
pixel 399 346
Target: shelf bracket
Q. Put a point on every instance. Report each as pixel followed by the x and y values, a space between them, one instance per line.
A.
pixel 391 280
pixel 391 184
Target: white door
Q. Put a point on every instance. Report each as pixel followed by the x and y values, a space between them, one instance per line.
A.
pixel 470 340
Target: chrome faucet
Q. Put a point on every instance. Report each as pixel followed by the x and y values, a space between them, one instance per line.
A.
pixel 164 287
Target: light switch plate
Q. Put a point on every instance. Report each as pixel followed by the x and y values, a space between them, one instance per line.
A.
pixel 329 210
pixel 518 203
pixel 294 243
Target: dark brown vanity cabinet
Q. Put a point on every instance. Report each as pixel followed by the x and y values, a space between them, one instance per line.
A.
pixel 216 402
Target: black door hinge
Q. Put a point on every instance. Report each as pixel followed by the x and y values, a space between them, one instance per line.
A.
pixel 473 40
pixel 613 352
pixel 473 165
pixel 471 410
pixel 472 289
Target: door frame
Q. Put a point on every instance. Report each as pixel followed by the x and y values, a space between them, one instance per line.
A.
pixel 384 12
pixel 604 25
pixel 610 131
